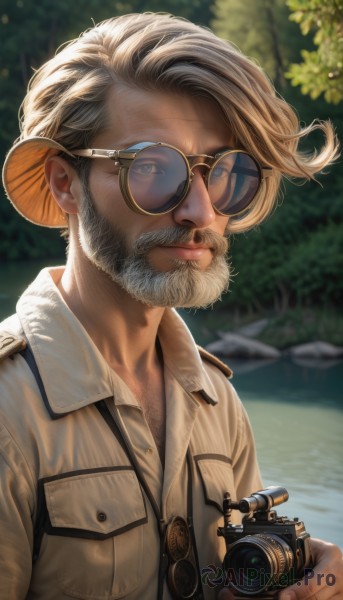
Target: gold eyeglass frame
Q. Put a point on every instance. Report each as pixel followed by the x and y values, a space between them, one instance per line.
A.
pixel 124 158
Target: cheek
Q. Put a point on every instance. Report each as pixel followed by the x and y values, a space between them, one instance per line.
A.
pixel 105 191
pixel 221 224
pixel 109 201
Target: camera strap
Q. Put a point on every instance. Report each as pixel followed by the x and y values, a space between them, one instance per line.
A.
pixel 121 437
pixel 113 422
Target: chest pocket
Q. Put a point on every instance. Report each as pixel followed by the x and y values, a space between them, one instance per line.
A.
pixel 94 522
pixel 216 475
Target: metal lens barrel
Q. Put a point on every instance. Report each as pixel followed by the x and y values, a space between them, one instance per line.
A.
pixel 256 563
pixel 264 499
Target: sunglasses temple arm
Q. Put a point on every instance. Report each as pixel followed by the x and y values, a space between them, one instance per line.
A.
pixel 266 171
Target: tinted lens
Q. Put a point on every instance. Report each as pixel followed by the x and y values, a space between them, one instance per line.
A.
pixel 233 182
pixel 158 179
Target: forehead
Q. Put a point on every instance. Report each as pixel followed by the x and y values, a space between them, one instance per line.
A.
pixel 135 115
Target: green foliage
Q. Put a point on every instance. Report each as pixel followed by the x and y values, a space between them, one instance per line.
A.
pixel 321 71
pixel 301 325
pixel 296 257
pixel 19 239
pixel 261 29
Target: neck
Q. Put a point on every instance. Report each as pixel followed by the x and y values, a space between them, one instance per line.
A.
pixel 123 329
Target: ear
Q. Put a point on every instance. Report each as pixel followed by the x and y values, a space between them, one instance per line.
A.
pixel 64 184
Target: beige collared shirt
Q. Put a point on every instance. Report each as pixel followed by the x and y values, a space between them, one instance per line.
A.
pixel 60 461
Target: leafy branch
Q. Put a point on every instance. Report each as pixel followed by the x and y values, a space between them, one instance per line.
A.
pixel 321 71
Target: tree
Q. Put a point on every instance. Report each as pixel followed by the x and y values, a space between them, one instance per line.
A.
pixel 321 71
pixel 257 27
pixel 274 262
pixel 295 257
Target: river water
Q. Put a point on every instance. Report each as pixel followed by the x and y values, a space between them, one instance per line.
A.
pixel 296 411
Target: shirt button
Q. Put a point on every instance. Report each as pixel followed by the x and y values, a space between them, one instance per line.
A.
pixel 101 516
pixel 149 450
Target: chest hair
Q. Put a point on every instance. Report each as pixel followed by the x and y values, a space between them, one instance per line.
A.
pixel 151 397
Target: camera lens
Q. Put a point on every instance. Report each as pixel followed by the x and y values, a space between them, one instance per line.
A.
pixel 255 563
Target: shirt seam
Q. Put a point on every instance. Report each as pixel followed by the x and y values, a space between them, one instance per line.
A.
pixel 18 448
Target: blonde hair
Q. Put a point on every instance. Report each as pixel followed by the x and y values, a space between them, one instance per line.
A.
pixel 67 95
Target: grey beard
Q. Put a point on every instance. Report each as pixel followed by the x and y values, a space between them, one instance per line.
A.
pixel 184 286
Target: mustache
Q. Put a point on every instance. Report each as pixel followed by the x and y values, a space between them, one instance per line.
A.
pixel 179 235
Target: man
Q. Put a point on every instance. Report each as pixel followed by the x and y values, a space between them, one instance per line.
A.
pixel 149 139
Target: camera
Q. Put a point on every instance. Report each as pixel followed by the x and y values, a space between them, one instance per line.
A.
pixel 266 552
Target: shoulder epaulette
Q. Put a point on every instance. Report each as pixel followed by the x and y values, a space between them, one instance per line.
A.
pixel 215 361
pixel 10 344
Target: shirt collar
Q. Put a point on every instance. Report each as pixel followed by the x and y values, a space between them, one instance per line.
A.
pixel 73 371
pixel 182 356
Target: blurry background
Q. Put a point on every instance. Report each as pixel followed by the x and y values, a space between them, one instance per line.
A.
pixel 288 271
pixel 290 268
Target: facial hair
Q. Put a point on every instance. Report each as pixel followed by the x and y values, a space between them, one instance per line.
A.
pixel 184 286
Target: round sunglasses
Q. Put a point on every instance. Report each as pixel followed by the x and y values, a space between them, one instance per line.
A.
pixel 155 177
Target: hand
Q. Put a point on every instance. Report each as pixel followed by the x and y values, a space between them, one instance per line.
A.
pixel 324 582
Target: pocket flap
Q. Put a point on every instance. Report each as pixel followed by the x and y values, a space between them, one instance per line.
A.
pixel 216 476
pixel 100 503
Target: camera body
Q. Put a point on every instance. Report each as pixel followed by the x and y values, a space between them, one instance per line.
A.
pixel 266 552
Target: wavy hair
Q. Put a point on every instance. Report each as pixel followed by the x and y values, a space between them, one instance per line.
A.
pixel 152 51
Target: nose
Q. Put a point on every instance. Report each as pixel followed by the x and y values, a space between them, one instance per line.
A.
pixel 196 210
